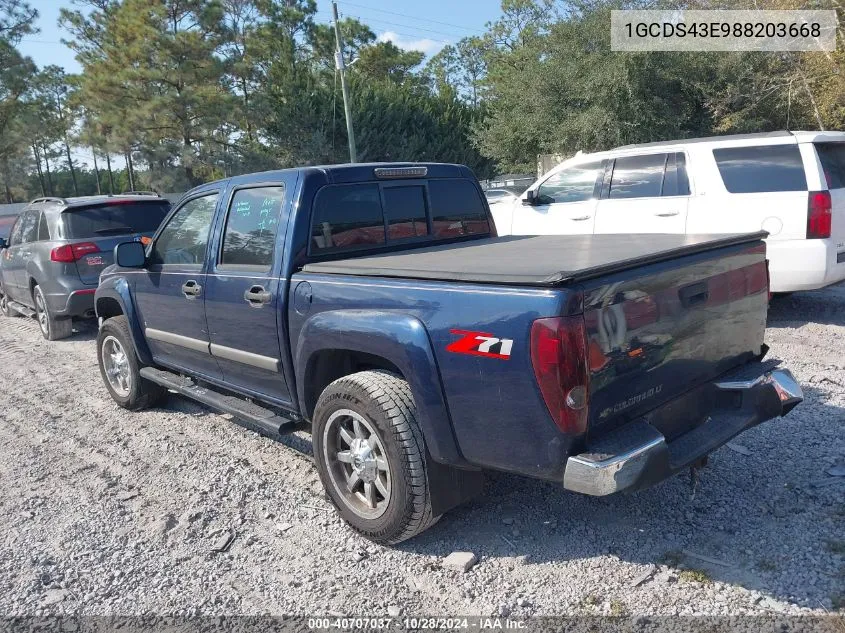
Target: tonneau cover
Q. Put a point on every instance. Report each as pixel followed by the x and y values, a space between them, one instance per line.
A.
pixel 537 260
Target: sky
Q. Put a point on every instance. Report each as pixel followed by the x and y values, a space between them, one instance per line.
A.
pixel 425 25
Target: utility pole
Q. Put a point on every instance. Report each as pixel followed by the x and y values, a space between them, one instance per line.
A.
pixel 341 66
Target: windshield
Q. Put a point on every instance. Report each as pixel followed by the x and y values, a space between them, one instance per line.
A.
pixel 114 219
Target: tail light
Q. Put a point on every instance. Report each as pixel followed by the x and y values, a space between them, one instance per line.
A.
pixel 818 215
pixel 559 357
pixel 70 253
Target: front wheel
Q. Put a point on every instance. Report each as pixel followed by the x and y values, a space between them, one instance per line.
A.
pixel 121 370
pixel 371 456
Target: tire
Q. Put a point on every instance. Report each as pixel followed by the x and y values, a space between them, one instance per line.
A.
pixel 114 339
pixel 5 309
pixel 376 403
pixel 52 327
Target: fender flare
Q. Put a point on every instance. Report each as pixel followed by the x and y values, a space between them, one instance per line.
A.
pixel 398 338
pixel 117 288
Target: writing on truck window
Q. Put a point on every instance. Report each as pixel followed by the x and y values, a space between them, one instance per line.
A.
pixel 252 226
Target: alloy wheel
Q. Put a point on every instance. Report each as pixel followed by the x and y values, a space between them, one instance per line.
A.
pixel 357 463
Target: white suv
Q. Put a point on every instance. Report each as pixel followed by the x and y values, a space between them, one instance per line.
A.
pixel 791 184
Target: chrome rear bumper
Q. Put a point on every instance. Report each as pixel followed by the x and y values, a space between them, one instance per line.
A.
pixel 637 455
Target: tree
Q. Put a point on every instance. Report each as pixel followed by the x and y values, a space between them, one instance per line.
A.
pixel 459 70
pixel 384 61
pixel 16 20
pixel 153 66
pixel 558 88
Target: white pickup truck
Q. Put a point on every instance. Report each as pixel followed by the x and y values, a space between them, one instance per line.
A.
pixel 790 184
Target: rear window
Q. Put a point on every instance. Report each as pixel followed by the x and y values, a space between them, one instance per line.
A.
pixel 761 169
pixel 832 157
pixel 350 217
pixel 114 219
pixel 456 209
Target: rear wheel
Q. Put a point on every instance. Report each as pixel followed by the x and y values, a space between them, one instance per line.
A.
pixel 120 367
pixel 52 327
pixel 371 456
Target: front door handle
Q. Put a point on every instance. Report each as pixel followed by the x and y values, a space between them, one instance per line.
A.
pixel 257 296
pixel 667 214
pixel 191 289
pixel 581 217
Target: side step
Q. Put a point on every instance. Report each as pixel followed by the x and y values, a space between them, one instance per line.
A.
pixel 21 309
pixel 255 417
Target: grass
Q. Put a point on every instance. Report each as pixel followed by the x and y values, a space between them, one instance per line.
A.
pixel 590 600
pixel 695 575
pixel 835 546
pixel 618 608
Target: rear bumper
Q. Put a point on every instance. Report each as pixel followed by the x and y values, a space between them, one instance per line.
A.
pixel 804 264
pixel 80 303
pixel 637 455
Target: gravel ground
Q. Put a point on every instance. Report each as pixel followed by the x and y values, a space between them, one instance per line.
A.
pixel 109 512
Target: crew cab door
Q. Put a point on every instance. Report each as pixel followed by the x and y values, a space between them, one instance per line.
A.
pixel 244 299
pixel 644 194
pixel 565 203
pixel 170 292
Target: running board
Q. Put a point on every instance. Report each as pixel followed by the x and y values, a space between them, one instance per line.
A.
pixel 254 417
pixel 21 309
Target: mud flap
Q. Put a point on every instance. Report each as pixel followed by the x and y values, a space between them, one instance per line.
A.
pixel 450 486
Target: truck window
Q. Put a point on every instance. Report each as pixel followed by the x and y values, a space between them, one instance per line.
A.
pixel 573 184
pixel 184 240
pixel 114 219
pixel 456 209
pixel 347 217
pixel 637 176
pixel 404 210
pixel 832 157
pixel 251 227
pixel 761 169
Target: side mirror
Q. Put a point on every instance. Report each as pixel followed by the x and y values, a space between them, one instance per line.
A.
pixel 130 255
pixel 530 198
pixel 3 243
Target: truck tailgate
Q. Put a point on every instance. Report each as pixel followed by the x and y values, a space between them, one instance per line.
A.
pixel 657 332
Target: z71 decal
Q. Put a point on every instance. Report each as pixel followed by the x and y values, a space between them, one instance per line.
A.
pixel 481 344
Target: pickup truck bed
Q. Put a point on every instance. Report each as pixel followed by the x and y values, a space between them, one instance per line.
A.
pixel 554 260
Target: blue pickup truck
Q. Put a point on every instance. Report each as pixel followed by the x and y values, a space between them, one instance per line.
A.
pixel 375 304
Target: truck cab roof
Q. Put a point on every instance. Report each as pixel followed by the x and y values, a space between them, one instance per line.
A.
pixel 346 173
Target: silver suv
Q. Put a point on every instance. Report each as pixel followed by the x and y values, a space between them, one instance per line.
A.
pixel 51 263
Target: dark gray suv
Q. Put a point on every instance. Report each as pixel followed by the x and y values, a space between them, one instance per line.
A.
pixel 50 265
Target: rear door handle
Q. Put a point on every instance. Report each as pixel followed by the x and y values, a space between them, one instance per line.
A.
pixel 667 214
pixel 191 289
pixel 257 296
pixel 581 217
